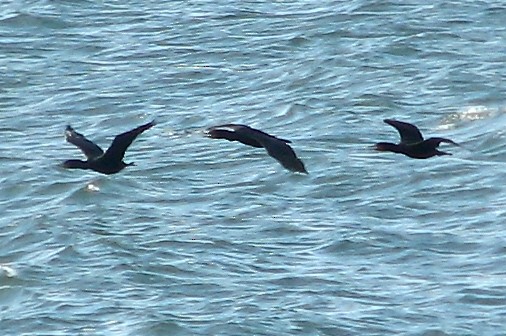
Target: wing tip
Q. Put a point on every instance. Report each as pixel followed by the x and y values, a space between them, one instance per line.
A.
pixel 69 131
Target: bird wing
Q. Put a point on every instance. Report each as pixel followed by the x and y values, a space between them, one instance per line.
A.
pixel 259 132
pixel 284 154
pixel 410 134
pixel 437 141
pixel 276 147
pixel 246 131
pixel 217 133
pixel 122 141
pixel 89 149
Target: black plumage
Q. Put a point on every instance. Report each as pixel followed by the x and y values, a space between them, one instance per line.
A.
pixel 108 162
pixel 276 147
pixel 412 143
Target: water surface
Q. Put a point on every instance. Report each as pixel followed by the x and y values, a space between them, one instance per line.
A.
pixel 208 237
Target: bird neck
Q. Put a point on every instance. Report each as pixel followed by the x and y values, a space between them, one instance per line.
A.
pixel 76 164
pixel 389 147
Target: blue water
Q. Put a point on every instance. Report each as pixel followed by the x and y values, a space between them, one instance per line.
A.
pixel 209 237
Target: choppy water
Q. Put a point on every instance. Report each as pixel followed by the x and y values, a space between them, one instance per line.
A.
pixel 208 237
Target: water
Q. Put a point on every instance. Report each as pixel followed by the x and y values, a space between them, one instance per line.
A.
pixel 209 237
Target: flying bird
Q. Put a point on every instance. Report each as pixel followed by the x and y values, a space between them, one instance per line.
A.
pixel 276 147
pixel 412 143
pixel 110 162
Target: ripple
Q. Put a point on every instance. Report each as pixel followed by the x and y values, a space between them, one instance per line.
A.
pixel 205 237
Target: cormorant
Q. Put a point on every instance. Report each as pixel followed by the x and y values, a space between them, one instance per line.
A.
pixel 276 147
pixel 109 162
pixel 412 143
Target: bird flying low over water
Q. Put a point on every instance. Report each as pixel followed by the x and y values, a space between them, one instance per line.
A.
pixel 412 143
pixel 276 147
pixel 109 162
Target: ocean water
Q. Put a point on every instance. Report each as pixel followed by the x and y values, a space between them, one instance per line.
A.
pixel 210 237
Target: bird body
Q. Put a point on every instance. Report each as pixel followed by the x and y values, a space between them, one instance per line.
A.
pixel 276 147
pixel 412 143
pixel 108 162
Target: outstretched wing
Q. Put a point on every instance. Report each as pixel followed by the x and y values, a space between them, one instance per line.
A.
pixel 284 154
pixel 89 149
pixel 437 141
pixel 242 133
pixel 252 131
pixel 410 134
pixel 121 142
pixel 276 147
pixel 217 133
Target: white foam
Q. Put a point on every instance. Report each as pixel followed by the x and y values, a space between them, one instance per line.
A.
pixel 8 271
